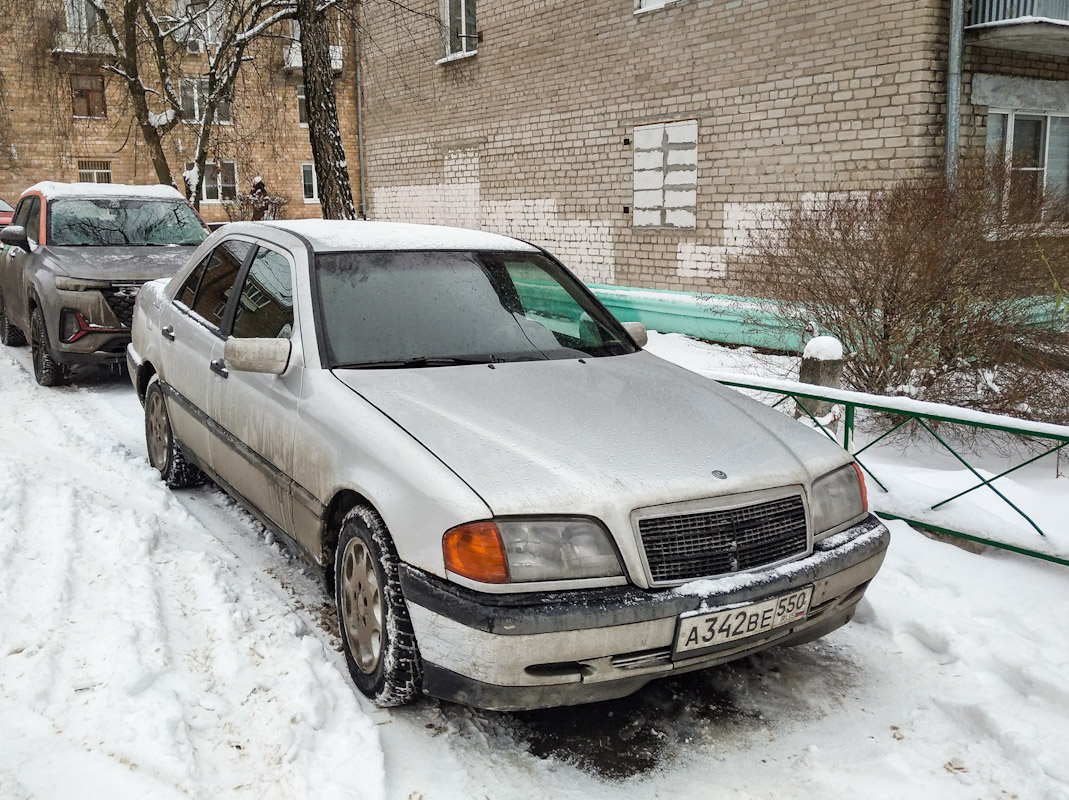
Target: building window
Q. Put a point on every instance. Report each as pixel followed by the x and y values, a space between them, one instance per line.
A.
pixel 194 98
pixel 1035 147
pixel 81 16
pixel 666 175
pixel 311 186
pixel 302 108
pixel 87 96
pixel 202 25
pixel 220 182
pixel 94 171
pixel 461 36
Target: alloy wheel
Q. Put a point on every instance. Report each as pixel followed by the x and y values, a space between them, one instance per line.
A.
pixel 159 431
pixel 362 607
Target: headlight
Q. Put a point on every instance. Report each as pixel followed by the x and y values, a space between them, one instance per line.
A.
pixel 838 497
pixel 529 550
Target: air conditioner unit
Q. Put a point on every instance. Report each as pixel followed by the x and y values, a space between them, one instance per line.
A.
pixel 194 46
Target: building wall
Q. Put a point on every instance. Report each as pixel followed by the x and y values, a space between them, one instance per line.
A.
pixel 40 139
pixel 534 136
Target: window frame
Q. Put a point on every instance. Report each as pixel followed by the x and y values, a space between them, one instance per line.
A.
pixel 81 17
pixel 218 183
pixel 467 37
pixel 1006 146
pixel 302 107
pixel 315 183
pixel 197 88
pixel 88 94
pixel 87 166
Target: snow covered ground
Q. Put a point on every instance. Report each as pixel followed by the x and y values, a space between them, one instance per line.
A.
pixel 159 644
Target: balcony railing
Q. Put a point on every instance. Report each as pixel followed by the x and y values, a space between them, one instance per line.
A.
pixel 986 12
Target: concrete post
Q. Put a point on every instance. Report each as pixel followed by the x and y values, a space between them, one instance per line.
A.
pixel 822 365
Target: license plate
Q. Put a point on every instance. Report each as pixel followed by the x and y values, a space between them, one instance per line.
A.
pixel 700 630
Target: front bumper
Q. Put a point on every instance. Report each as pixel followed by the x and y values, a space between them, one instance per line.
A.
pixel 538 650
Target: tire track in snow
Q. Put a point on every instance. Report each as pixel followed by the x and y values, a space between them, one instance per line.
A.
pixel 147 645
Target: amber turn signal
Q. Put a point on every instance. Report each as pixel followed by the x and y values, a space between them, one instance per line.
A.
pixel 475 551
pixel 864 489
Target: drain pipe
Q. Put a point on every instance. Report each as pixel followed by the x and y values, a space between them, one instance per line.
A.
pixel 360 116
pixel 953 122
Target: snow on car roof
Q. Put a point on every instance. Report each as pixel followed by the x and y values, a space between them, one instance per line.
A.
pixel 54 189
pixel 340 235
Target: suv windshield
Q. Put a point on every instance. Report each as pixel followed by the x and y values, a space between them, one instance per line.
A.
pixel 401 309
pixel 118 222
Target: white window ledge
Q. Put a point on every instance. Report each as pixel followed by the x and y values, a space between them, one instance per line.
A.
pixel 458 56
pixel 656 7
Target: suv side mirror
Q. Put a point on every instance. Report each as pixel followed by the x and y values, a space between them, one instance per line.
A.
pixel 15 235
pixel 270 356
pixel 638 332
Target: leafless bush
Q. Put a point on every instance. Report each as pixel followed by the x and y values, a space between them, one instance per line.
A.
pixel 945 295
pixel 251 206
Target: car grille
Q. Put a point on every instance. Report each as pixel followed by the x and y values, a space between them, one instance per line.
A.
pixel 121 302
pixel 721 541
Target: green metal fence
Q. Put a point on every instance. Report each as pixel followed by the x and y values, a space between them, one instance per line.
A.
pixel 1050 438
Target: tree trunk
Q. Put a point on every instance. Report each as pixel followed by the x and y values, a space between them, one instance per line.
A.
pixel 130 66
pixel 332 173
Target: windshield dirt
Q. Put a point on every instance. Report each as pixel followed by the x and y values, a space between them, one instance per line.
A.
pixel 123 222
pixel 429 309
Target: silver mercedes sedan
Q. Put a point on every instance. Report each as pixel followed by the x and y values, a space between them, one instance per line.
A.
pixel 513 504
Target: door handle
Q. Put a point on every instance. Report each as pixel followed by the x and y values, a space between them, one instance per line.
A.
pixel 168 332
pixel 219 367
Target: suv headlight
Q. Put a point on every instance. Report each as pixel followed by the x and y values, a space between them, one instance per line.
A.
pixel 838 497
pixel 529 550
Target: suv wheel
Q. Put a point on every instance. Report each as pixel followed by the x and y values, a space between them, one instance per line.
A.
pixel 10 335
pixel 46 369
pixel 376 632
pixel 164 453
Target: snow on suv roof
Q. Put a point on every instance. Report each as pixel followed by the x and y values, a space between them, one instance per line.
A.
pixel 341 235
pixel 54 189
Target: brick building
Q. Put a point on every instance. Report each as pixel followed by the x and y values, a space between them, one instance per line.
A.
pixel 643 140
pixel 65 117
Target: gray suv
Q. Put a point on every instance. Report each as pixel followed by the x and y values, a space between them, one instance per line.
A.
pixel 73 261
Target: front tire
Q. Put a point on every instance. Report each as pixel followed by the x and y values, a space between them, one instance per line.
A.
pixel 10 335
pixel 46 369
pixel 164 453
pixel 376 631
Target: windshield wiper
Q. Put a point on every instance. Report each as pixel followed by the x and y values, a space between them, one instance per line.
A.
pixel 421 361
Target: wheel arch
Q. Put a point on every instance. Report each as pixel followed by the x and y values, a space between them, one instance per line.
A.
pixel 343 501
pixel 144 375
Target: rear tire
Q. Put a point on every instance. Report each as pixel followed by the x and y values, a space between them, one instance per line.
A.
pixel 376 631
pixel 10 335
pixel 46 369
pixel 164 453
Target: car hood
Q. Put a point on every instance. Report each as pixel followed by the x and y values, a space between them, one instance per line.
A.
pixel 585 437
pixel 120 263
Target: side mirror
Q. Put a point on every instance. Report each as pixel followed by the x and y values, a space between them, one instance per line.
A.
pixel 15 235
pixel 637 332
pixel 270 356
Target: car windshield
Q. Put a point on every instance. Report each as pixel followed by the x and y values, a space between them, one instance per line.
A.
pixel 417 309
pixel 4 207
pixel 123 221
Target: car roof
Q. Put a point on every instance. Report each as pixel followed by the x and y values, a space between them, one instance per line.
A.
pixel 52 190
pixel 349 235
